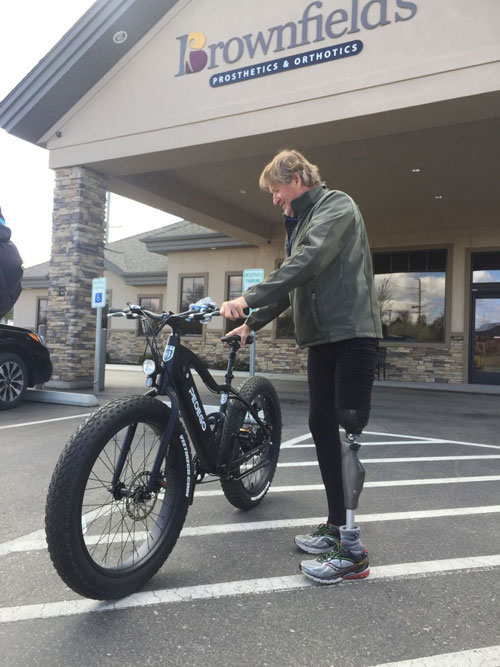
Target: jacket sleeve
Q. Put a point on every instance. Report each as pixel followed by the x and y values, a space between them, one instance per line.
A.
pixel 262 316
pixel 328 229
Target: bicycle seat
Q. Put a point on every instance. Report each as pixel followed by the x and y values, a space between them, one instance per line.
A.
pixel 236 339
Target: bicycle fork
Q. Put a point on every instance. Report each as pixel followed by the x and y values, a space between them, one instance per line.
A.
pixel 117 488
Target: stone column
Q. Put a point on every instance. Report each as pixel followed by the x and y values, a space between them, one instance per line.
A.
pixel 77 257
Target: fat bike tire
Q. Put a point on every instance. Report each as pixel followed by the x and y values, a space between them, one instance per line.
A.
pixel 241 432
pixel 106 547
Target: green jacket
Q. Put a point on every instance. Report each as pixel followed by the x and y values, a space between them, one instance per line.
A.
pixel 327 278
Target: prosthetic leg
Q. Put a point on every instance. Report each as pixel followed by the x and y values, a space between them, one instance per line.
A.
pixel 353 474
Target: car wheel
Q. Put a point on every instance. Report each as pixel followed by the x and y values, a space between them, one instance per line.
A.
pixel 13 380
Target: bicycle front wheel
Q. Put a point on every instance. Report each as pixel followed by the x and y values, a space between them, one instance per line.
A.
pixel 107 543
pixel 248 479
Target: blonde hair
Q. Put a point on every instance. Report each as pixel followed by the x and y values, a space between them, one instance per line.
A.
pixel 284 165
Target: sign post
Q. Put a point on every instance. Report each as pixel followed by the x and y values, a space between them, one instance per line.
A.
pixel 98 302
pixel 252 277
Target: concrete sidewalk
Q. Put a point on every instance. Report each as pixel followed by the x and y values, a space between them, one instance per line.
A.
pixel 121 379
pixel 286 377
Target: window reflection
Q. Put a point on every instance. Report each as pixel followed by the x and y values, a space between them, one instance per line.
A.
pixel 192 290
pixel 412 305
pixel 486 276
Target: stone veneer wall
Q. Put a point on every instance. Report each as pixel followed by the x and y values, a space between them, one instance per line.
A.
pixel 124 347
pixel 77 257
pixel 410 364
pixel 426 364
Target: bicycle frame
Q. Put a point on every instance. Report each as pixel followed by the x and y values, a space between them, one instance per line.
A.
pixel 176 382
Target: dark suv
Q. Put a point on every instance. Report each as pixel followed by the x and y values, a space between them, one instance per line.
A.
pixel 24 362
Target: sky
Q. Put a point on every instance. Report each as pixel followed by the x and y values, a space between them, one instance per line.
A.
pixel 29 30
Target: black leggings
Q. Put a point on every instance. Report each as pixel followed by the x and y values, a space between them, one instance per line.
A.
pixel 340 375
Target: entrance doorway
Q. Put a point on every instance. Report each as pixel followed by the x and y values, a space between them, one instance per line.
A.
pixel 484 365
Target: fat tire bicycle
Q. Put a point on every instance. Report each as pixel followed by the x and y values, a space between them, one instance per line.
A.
pixel 121 489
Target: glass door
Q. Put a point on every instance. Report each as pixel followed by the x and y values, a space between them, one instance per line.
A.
pixel 485 335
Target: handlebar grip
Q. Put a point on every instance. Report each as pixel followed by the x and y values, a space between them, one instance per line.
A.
pixel 235 338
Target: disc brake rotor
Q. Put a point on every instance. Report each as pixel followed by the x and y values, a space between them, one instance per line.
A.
pixel 138 505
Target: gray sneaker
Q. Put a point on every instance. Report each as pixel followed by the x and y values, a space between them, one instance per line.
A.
pixel 336 566
pixel 323 540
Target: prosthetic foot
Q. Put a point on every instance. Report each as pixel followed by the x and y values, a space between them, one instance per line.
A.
pixel 353 475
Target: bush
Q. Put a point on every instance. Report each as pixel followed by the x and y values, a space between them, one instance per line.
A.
pixel 142 358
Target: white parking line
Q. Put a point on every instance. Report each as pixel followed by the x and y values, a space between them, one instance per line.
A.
pixel 293 441
pixel 431 441
pixel 407 440
pixel 416 437
pixel 477 657
pixel 46 421
pixel 408 459
pixel 233 588
pixel 367 485
pixel 36 541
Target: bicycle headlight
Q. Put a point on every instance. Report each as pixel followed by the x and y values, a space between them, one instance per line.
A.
pixel 149 367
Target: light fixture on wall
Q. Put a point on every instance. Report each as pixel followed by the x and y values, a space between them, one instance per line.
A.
pixel 243 192
pixel 415 170
pixel 438 196
pixel 120 37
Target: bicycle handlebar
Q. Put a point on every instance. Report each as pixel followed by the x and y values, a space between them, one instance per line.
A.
pixel 201 313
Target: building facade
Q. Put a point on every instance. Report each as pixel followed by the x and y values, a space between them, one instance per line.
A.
pixel 179 105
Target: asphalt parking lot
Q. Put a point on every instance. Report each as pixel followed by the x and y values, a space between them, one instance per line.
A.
pixel 231 593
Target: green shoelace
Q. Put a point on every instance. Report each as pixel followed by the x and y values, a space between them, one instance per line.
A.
pixel 323 529
pixel 338 551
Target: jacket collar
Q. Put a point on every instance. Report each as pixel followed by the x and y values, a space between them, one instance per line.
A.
pixel 308 199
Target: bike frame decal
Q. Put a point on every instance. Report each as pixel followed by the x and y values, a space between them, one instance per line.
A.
pixel 188 464
pixel 169 352
pixel 197 407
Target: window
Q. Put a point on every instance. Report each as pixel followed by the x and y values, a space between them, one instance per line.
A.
pixel 486 267
pixel 41 312
pixel 411 290
pixel 192 290
pixel 234 289
pixel 284 322
pixel 284 325
pixel 152 303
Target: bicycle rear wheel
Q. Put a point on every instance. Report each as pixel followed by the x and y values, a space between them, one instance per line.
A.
pixel 248 479
pixel 106 545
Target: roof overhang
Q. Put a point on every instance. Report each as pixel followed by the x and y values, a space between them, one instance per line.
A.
pixel 165 245
pixel 76 63
pixel 35 282
pixel 145 278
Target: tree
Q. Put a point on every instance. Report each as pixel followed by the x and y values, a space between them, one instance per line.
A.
pixel 384 296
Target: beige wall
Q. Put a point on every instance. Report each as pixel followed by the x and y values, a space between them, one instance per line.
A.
pixel 26 306
pixel 216 264
pixel 448 49
pixel 121 293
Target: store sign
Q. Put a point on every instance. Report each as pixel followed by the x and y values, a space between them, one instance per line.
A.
pixel 196 54
pixel 287 64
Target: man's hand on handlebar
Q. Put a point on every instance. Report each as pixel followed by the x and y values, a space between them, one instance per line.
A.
pixel 235 309
pixel 242 331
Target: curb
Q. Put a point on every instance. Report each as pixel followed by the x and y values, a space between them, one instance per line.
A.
pixel 62 397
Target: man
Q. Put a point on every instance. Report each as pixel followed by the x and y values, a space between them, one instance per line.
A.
pixel 327 278
pixel 11 270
